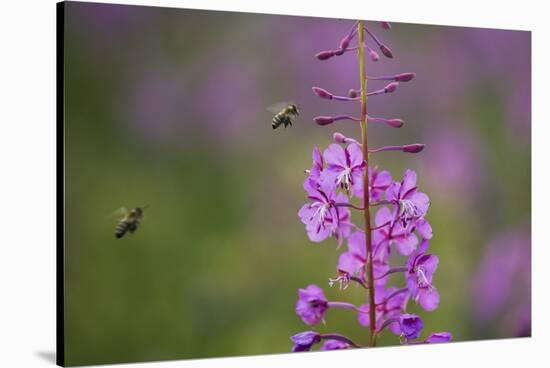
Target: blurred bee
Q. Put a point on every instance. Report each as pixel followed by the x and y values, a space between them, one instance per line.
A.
pixel 284 113
pixel 130 221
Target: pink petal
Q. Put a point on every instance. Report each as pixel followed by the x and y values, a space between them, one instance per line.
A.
pixel 383 216
pixel 355 154
pixel 407 245
pixel 428 299
pixel 335 155
pixel 409 181
pixel 424 229
pixel 421 201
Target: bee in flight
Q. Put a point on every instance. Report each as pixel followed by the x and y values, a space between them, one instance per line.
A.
pixel 130 221
pixel 284 113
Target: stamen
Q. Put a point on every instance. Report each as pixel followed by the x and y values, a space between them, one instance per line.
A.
pixel 342 279
pixel 407 209
pixel 422 280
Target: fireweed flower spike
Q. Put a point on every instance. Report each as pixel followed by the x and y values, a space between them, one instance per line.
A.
pixel 341 179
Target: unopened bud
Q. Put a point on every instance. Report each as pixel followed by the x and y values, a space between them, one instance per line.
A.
pixel 386 51
pixel 324 55
pixel 322 93
pixel 344 44
pixel 353 93
pixel 413 148
pixel 385 25
pixel 404 77
pixel 396 123
pixel 323 120
pixel 374 55
pixel 339 137
pixel 391 87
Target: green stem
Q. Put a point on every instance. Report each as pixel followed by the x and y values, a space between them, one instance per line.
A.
pixel 366 194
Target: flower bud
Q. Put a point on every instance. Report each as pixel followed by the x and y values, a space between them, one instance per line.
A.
pixel 339 137
pixel 339 52
pixel 323 120
pixel 385 25
pixel 324 55
pixel 386 51
pixel 344 44
pixel 374 55
pixel 391 87
pixel 353 93
pixel 396 123
pixel 413 148
pixel 404 77
pixel 322 93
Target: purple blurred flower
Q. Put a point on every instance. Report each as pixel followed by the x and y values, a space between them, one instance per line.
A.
pixel 502 284
pixel 411 325
pixel 334 345
pixel 345 168
pixel 312 304
pixel 519 109
pixel 156 102
pixel 456 161
pixel 227 82
pixel 109 26
pixel 420 269
pixel 305 340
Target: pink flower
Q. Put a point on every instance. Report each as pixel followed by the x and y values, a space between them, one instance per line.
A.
pixel 345 169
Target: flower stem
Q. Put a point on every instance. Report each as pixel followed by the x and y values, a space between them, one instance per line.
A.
pixel 342 305
pixel 334 336
pixel 366 194
pixel 392 270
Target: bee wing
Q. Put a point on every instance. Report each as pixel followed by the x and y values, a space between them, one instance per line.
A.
pixel 118 213
pixel 277 107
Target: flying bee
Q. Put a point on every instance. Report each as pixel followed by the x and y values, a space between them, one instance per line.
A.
pixel 130 221
pixel 284 113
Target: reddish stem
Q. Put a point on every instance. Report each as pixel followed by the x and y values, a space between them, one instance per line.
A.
pixel 366 191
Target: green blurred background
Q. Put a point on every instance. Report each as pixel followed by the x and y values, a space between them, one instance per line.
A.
pixel 167 107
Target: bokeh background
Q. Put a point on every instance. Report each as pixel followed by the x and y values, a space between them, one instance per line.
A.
pixel 167 107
